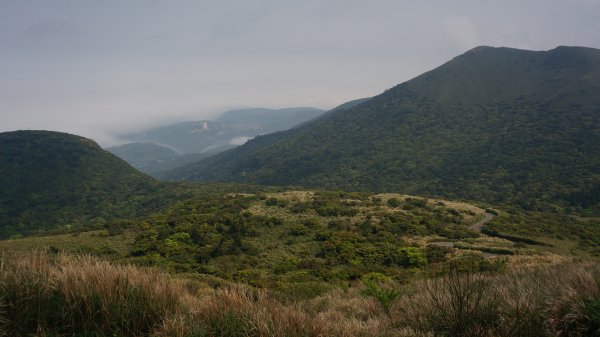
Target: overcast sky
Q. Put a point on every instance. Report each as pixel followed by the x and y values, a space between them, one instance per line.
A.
pixel 96 68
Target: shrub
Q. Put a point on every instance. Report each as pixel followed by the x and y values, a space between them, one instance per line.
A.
pixel 437 253
pixel 393 202
pixel 384 295
pixel 411 203
pixel 298 230
pixel 271 202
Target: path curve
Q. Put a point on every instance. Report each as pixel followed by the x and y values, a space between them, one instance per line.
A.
pixel 477 227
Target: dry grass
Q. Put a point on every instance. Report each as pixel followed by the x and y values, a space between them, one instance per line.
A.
pixel 64 294
pixel 93 242
pixel 553 300
pixel 61 295
pixel 293 196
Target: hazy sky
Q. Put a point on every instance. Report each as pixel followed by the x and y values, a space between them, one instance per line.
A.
pixel 99 67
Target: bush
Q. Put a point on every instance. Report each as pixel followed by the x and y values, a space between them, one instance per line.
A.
pixel 384 295
pixel 436 253
pixel 299 230
pixel 393 202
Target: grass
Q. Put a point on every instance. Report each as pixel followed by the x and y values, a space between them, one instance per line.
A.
pixel 491 250
pixel 63 295
pixel 551 300
pixel 98 242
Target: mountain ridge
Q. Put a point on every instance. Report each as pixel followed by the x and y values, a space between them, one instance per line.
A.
pixel 194 140
pixel 474 118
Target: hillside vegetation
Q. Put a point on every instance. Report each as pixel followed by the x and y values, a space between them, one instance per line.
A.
pixel 60 295
pixel 94 248
pixel 494 124
pixel 51 179
pixel 300 244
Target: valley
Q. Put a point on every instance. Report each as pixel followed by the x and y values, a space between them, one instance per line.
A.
pixel 463 202
pixel 164 148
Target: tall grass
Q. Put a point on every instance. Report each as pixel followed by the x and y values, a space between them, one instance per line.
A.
pixel 455 305
pixel 60 295
pixel 553 300
pixel 83 295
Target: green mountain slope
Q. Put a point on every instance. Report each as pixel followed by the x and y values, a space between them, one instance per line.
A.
pixel 168 147
pixel 153 159
pixel 50 179
pixel 494 124
pixel 139 154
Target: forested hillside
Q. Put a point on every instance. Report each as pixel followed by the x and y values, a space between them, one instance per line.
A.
pixel 494 124
pixel 50 179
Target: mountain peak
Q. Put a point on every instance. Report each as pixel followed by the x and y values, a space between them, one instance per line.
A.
pixel 494 124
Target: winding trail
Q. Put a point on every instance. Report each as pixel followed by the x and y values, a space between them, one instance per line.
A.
pixel 477 227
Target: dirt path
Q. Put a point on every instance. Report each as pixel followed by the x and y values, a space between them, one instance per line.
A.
pixel 477 227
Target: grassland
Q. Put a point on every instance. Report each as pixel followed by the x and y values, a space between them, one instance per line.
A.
pixel 62 295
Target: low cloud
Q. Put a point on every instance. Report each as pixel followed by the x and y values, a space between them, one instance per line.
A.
pixel 239 140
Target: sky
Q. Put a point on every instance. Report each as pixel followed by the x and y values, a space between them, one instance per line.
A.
pixel 103 68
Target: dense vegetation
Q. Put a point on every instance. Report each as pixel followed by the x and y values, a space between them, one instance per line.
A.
pixel 300 244
pixel 494 124
pixel 264 261
pixel 51 179
pixel 300 241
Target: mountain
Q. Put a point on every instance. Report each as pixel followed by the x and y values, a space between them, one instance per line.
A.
pixel 167 147
pixel 269 120
pixel 56 180
pixel 493 124
pixel 229 130
pixel 152 158
pixel 140 154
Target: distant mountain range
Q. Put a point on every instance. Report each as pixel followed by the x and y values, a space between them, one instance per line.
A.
pixel 493 124
pixel 171 146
